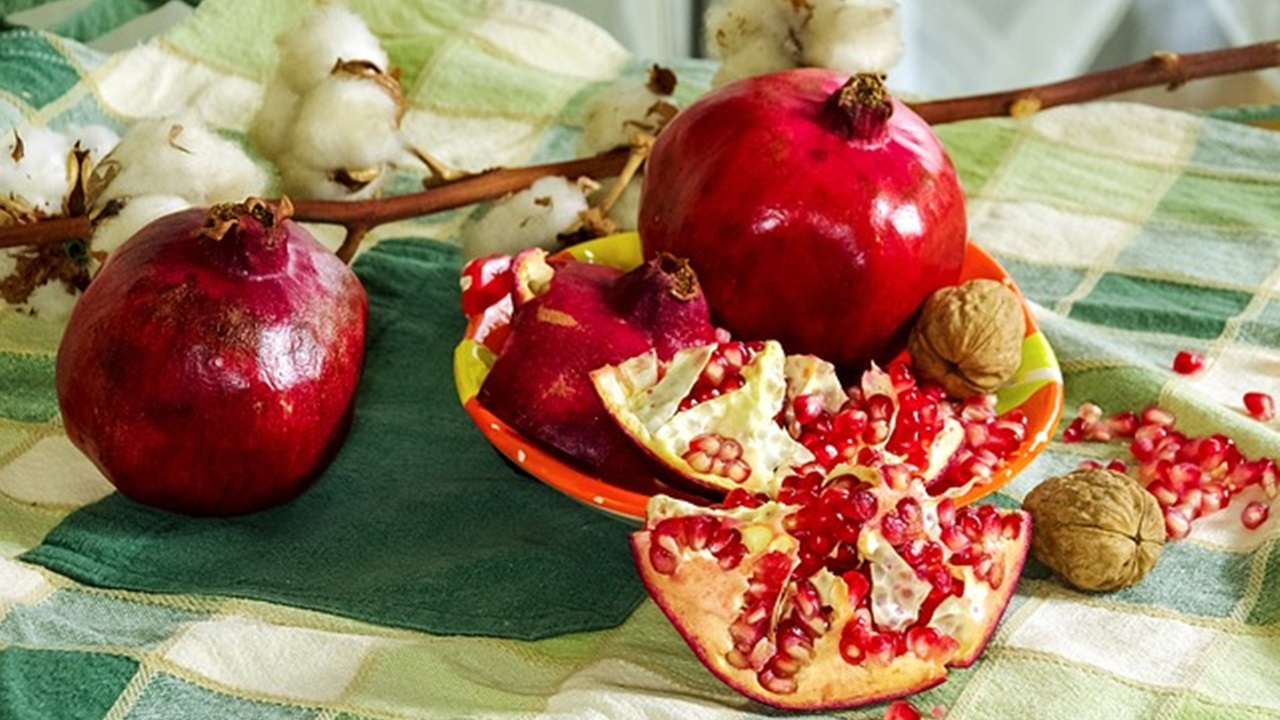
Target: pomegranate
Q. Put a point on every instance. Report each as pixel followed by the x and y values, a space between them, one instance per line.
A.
pixel 861 589
pixel 569 318
pixel 736 416
pixel 211 366
pixel 817 211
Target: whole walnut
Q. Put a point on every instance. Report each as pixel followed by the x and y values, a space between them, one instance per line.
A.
pixel 968 338
pixel 1096 529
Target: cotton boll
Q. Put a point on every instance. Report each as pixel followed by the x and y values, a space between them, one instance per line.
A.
pixel 329 34
pixel 301 179
pixel 754 37
pixel 52 301
pixel 39 173
pixel 533 217
pixel 853 36
pixel 111 232
pixel 97 140
pixel 621 109
pixel 178 157
pixel 269 131
pixel 751 37
pixel 346 122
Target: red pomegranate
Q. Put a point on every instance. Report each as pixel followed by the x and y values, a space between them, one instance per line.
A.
pixel 816 210
pixel 211 366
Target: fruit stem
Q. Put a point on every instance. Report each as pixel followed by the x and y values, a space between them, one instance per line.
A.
pixel 861 108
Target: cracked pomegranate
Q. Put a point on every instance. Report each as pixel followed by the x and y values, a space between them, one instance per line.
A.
pixel 569 318
pixel 859 588
pixel 816 210
pixel 211 366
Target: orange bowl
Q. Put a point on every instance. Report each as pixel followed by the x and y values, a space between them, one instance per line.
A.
pixel 1036 389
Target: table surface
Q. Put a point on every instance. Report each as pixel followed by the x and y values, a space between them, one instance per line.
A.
pixel 1135 231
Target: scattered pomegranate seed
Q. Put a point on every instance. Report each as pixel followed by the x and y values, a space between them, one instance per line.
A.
pixel 901 710
pixel 1260 405
pixel 1188 362
pixel 1254 514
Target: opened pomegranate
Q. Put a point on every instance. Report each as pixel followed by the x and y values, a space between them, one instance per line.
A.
pixel 211 366
pixel 737 416
pixel 861 589
pixel 816 210
pixel 571 317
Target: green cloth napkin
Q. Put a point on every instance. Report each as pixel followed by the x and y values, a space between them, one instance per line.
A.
pixel 418 523
pixel 1138 232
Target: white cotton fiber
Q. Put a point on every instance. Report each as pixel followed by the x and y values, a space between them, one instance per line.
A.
pixel 51 301
pixel 754 37
pixel 271 126
pixel 617 112
pixel 177 156
pixel 533 217
pixel 331 33
pixel 39 176
pixel 97 140
pixel 111 232
pixel 346 122
pixel 854 36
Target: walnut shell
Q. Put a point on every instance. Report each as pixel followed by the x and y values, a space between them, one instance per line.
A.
pixel 1096 529
pixel 968 338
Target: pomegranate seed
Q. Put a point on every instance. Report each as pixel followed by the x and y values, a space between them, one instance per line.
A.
pixel 1123 424
pixel 1098 432
pixel 807 408
pixel 1254 514
pixel 1176 524
pixel 1155 415
pixel 1261 406
pixel 1163 492
pixel 1118 466
pixel 1074 432
pixel 1089 412
pixel 1187 362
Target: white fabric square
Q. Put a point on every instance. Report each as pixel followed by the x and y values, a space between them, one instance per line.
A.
pixel 1151 650
pixel 54 472
pixel 18 582
pixel 248 654
pixel 1047 235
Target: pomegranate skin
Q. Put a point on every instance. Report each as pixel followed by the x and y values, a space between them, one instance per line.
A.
pixel 214 376
pixel 823 237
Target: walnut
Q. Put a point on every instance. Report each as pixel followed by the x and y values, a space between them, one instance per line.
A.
pixel 1096 529
pixel 968 338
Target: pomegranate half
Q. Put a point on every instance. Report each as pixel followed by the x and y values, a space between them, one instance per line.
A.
pixel 211 366
pixel 816 210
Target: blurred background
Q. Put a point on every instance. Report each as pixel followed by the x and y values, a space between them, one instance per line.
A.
pixel 953 47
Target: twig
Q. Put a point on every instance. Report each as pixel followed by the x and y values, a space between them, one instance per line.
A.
pixel 1162 68
pixel 358 217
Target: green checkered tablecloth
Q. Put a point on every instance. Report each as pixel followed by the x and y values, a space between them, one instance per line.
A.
pixel 1138 232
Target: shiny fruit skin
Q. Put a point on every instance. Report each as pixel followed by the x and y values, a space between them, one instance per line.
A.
pixel 799 232
pixel 208 379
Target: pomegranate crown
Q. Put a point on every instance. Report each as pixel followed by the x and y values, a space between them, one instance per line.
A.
pixel 249 233
pixel 861 108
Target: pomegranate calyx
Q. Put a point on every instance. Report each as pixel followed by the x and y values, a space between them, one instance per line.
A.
pixel 861 108
pixel 251 235
pixel 684 281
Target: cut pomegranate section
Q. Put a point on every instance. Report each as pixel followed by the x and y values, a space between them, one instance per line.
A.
pixel 855 591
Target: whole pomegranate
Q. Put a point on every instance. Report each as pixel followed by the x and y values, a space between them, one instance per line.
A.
pixel 816 210
pixel 211 365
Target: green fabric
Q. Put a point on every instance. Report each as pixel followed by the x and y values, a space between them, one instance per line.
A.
pixel 1137 232
pixel 418 522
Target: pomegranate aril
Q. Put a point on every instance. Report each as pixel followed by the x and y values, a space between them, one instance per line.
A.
pixel 807 408
pixel 901 710
pixel 1123 424
pixel 1176 524
pixel 1254 514
pixel 1261 406
pixel 1188 362
pixel 1155 415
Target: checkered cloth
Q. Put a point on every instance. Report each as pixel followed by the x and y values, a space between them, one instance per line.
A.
pixel 1137 232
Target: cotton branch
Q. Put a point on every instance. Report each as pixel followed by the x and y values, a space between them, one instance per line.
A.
pixel 358 217
pixel 1163 68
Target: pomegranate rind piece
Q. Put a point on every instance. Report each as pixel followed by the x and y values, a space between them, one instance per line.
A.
pixel 703 600
pixel 643 396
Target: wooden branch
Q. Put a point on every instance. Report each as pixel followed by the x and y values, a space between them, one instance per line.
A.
pixel 1163 68
pixel 358 217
